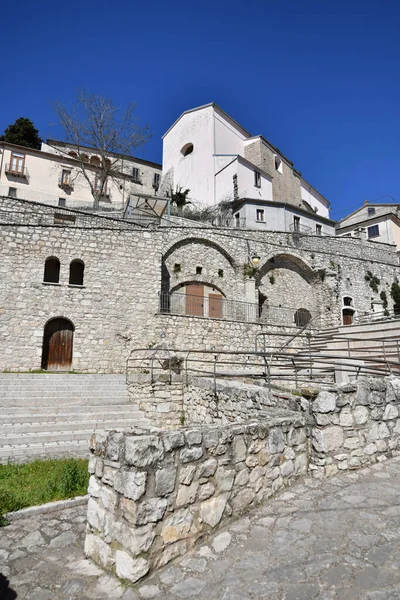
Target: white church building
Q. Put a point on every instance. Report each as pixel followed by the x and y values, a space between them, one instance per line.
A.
pixel 209 153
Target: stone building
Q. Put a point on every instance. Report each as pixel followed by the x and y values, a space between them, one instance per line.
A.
pixel 209 153
pixel 94 288
pixel 52 176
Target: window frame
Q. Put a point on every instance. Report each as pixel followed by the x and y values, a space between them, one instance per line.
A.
pixel 370 229
pixel 257 179
pixel 296 223
pixel 318 229
pixel 371 211
pixel 136 179
pixel 260 212
pixel 17 155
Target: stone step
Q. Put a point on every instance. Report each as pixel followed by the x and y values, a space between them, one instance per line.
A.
pixel 25 453
pixel 15 427
pixel 47 403
pixel 42 437
pixel 62 411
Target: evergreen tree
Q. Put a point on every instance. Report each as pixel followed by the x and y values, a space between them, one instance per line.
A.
pixel 23 133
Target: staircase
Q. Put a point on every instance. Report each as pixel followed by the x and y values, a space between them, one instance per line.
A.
pixel 54 415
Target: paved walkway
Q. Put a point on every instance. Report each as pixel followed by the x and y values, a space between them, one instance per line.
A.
pixel 332 539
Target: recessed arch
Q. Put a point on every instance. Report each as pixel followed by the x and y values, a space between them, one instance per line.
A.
pixel 73 154
pixel 197 299
pixel 57 348
pixel 202 241
pixel 51 270
pixel 302 317
pixel 76 272
pixel 187 149
pixel 287 261
pixel 95 160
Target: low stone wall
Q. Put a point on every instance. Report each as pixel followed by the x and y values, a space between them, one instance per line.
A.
pixel 154 493
pixel 355 425
pixel 161 402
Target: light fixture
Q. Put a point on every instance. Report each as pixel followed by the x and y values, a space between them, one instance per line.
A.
pixel 255 259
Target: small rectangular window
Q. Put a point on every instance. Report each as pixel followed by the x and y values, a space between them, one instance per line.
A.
pixel 278 164
pixel 296 223
pixel 371 211
pixel 260 215
pixel 156 180
pixel 318 229
pixel 199 270
pixel 373 231
pixel 136 175
pixel 12 192
pixel 257 179
pixel 62 202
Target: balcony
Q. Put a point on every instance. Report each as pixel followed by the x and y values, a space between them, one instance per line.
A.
pixel 17 171
pixel 65 184
pixel 297 228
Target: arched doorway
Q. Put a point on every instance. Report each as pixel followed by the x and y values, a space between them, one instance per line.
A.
pixel 57 345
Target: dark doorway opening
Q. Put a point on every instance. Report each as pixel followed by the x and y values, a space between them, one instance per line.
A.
pixel 58 345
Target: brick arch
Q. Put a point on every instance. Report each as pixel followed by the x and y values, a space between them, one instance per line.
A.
pixel 201 241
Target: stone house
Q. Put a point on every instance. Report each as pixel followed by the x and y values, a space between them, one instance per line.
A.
pixel 52 176
pixel 209 153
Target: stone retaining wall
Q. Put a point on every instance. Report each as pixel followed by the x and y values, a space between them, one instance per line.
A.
pixel 355 425
pixel 154 493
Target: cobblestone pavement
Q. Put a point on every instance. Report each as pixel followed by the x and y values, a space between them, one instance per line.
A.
pixel 338 538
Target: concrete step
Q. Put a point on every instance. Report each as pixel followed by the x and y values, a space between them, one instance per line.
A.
pixel 25 453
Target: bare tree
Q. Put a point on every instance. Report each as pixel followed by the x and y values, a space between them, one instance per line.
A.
pixel 94 122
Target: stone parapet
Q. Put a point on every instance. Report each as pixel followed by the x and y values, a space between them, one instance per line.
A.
pixel 355 425
pixel 153 492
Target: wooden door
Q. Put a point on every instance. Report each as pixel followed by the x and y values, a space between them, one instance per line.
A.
pixel 347 317
pixel 195 300
pixel 58 345
pixel 215 306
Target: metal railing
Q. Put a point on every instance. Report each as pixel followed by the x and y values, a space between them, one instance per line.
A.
pixel 218 307
pixel 373 317
pixel 17 171
pixel 65 183
pixel 301 229
pixel 278 368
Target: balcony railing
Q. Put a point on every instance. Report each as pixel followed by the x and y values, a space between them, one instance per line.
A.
pixel 217 307
pixel 300 229
pixel 65 184
pixel 17 171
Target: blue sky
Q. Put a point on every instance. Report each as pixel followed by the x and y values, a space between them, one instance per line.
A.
pixel 318 78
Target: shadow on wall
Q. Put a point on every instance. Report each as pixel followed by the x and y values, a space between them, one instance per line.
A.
pixel 6 593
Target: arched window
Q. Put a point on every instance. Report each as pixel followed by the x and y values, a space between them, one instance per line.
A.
pixel 85 158
pixel 347 301
pixel 302 316
pixel 76 269
pixel 51 270
pixel 187 149
pixel 73 154
pixel 94 160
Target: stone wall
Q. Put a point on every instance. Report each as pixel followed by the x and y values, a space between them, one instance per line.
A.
pixel 116 309
pixel 154 493
pixel 355 425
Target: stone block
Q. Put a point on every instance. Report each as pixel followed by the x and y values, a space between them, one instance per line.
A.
pixel 97 550
pixel 328 439
pixel 134 539
pixel 143 451
pixel 211 510
pixel 131 569
pixel 94 487
pixel 178 526
pixel 114 444
pixel 256 473
pixel 324 403
pixel 150 511
pixel 391 412
pixel 287 468
pixel 239 449
pixel 165 480
pixel 187 474
pixel 207 468
pixel 194 437
pixel 189 454
pixel 187 494
pixel 276 440
pixel 134 484
pixel 224 478
pixel 109 498
pixel 346 418
pixel 173 440
pixel 95 514
pixel 360 414
pixel 206 491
